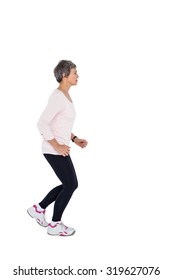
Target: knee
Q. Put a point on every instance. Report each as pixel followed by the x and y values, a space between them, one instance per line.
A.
pixel 75 184
pixel 71 186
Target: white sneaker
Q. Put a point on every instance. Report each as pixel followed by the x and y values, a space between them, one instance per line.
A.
pixel 38 215
pixel 60 229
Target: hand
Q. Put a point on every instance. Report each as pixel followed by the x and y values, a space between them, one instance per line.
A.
pixel 63 150
pixel 80 142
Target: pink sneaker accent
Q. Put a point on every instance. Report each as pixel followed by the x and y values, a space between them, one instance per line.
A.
pixel 39 216
pixel 54 225
pixel 35 206
pixel 60 229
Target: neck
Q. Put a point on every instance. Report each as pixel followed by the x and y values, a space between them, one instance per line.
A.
pixel 64 88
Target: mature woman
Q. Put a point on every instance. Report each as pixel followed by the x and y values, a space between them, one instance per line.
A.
pixel 55 126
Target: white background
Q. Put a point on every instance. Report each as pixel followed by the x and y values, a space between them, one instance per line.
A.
pixel 122 210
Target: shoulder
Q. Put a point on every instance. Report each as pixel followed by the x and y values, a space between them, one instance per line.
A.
pixel 56 96
pixel 56 100
pixel 56 93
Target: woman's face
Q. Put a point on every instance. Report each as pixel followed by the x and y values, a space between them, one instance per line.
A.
pixel 73 77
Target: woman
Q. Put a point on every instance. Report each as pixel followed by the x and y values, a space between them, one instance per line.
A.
pixel 55 126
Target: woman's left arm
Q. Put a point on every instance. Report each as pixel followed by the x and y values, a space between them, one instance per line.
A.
pixel 78 141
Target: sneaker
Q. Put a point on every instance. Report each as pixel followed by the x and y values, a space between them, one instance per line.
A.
pixel 38 215
pixel 60 229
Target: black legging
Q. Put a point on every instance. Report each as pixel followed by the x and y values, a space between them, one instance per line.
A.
pixel 64 169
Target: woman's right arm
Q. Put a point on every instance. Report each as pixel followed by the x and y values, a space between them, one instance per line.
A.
pixel 53 107
pixel 47 116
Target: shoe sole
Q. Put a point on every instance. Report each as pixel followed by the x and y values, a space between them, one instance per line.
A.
pixel 36 220
pixel 63 235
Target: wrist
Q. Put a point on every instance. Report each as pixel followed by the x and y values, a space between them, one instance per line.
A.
pixel 73 138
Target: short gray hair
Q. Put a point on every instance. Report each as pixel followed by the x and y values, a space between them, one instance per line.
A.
pixel 63 67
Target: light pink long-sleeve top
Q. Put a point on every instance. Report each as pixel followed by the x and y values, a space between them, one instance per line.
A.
pixel 56 121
